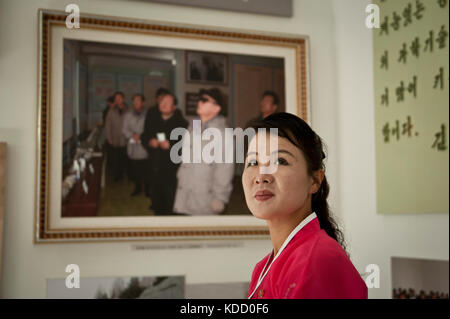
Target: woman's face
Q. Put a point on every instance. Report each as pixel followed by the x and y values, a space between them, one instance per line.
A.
pixel 287 189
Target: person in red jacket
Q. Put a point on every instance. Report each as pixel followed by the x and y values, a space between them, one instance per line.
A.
pixel 286 186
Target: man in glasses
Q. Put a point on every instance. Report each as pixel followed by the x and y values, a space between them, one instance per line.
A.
pixel 204 188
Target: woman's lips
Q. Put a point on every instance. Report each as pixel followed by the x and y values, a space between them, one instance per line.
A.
pixel 263 195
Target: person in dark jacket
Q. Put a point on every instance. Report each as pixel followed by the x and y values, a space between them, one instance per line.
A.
pixel 160 93
pixel 107 146
pixel 159 124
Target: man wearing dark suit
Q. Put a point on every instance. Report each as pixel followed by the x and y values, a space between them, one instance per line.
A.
pixel 159 124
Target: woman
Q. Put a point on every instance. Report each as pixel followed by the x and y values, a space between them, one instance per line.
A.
pixel 289 190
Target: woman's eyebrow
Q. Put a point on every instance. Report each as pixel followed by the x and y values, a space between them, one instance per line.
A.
pixel 277 151
pixel 284 151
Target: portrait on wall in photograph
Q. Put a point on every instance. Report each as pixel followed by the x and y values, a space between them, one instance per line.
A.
pixel 117 109
pixel 206 68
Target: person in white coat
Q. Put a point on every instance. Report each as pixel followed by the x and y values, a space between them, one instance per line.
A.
pixel 133 126
pixel 205 188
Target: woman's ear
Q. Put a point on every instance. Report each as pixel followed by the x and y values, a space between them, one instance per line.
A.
pixel 318 176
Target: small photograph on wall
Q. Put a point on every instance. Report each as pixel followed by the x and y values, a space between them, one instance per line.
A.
pixel 206 68
pixel 159 287
pixel 415 278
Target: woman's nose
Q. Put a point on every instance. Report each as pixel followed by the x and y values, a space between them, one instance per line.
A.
pixel 264 179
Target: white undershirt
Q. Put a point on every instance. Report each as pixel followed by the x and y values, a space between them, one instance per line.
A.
pixel 263 273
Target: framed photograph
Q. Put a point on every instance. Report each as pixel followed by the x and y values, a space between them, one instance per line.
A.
pixel 206 68
pixel 78 197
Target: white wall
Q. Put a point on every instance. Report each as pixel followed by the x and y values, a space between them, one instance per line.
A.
pixel 342 104
pixel 374 238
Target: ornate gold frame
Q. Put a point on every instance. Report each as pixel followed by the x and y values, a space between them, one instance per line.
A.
pixel 49 18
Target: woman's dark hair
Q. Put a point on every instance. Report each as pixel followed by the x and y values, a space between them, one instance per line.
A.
pixel 299 133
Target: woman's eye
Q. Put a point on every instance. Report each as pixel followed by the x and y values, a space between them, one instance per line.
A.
pixel 252 163
pixel 281 161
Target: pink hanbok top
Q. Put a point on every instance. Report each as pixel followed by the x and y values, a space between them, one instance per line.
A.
pixel 309 265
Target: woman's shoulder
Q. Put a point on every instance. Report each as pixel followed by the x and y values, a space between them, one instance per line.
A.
pixel 318 251
pixel 327 246
pixel 324 250
pixel 325 271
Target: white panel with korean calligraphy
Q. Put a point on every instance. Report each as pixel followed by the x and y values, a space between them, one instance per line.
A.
pixel 411 77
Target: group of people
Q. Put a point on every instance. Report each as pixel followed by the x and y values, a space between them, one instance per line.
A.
pixel 293 200
pixel 138 142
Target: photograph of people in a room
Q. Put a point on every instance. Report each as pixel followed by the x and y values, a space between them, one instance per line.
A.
pixel 206 67
pixel 120 105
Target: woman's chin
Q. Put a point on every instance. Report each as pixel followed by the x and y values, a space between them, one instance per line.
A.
pixel 265 213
